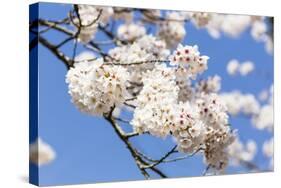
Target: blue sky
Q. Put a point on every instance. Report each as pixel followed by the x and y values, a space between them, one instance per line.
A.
pixel 87 148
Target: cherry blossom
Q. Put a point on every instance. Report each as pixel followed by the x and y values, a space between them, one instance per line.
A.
pixel 41 153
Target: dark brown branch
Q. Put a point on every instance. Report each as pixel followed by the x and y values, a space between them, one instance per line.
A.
pixel 141 164
pixel 138 62
pixel 120 134
pixel 121 120
pixel 111 36
pixel 66 60
pixel 163 158
pixel 129 105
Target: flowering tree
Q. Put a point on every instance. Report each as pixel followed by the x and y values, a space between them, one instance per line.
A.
pixel 154 76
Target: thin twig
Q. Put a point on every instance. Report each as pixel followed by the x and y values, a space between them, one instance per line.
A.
pixel 164 157
pixel 138 62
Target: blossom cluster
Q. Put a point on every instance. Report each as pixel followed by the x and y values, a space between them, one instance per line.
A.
pixel 172 32
pixel 267 149
pixel 141 54
pixel 130 31
pixel 240 152
pixel 247 104
pixel 195 125
pixel 199 123
pixel 162 87
pixel 96 87
pixel 244 68
pixel 41 153
pixel 88 20
pixel 189 61
pixel 232 25
pixel 238 102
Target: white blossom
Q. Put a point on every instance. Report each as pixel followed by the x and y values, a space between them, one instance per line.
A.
pixel 216 143
pixel 172 32
pixel 186 91
pixel 201 19
pixel 146 51
pixel 188 130
pixel 188 58
pixel 130 31
pixel 258 30
pixel 151 15
pixel 233 67
pixel 95 87
pixel 154 112
pixel 240 152
pixel 209 85
pixel 89 18
pixel 268 151
pixel 85 56
pixel 234 25
pixel 268 44
pixel 264 120
pixel 41 153
pixel 246 68
pixel 237 102
pixel 125 14
pixel 268 148
pixel 213 111
pixel 263 95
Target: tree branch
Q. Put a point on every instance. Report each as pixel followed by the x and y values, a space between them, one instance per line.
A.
pixel 141 164
pixel 66 60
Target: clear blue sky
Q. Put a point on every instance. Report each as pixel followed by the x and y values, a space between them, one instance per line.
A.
pixel 87 148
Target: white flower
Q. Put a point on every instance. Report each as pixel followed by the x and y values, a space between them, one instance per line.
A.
pixel 95 87
pixel 90 16
pixel 85 56
pixel 210 85
pixel 213 111
pixel 186 91
pixel 258 30
pixel 233 67
pixel 154 112
pixel 214 25
pixel 143 49
pixel 216 144
pixel 263 95
pixel 201 19
pixel 146 51
pixel 188 130
pixel 41 153
pixel 268 44
pixel 250 104
pixel 125 14
pixel 268 148
pixel 246 68
pixel 268 151
pixel 234 25
pixel 232 101
pixel 151 15
pixel 242 153
pixel 172 32
pixel 188 57
pixel 130 31
pixel 237 102
pixel 264 120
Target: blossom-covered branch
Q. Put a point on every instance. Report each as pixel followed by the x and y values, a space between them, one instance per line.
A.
pixel 154 77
